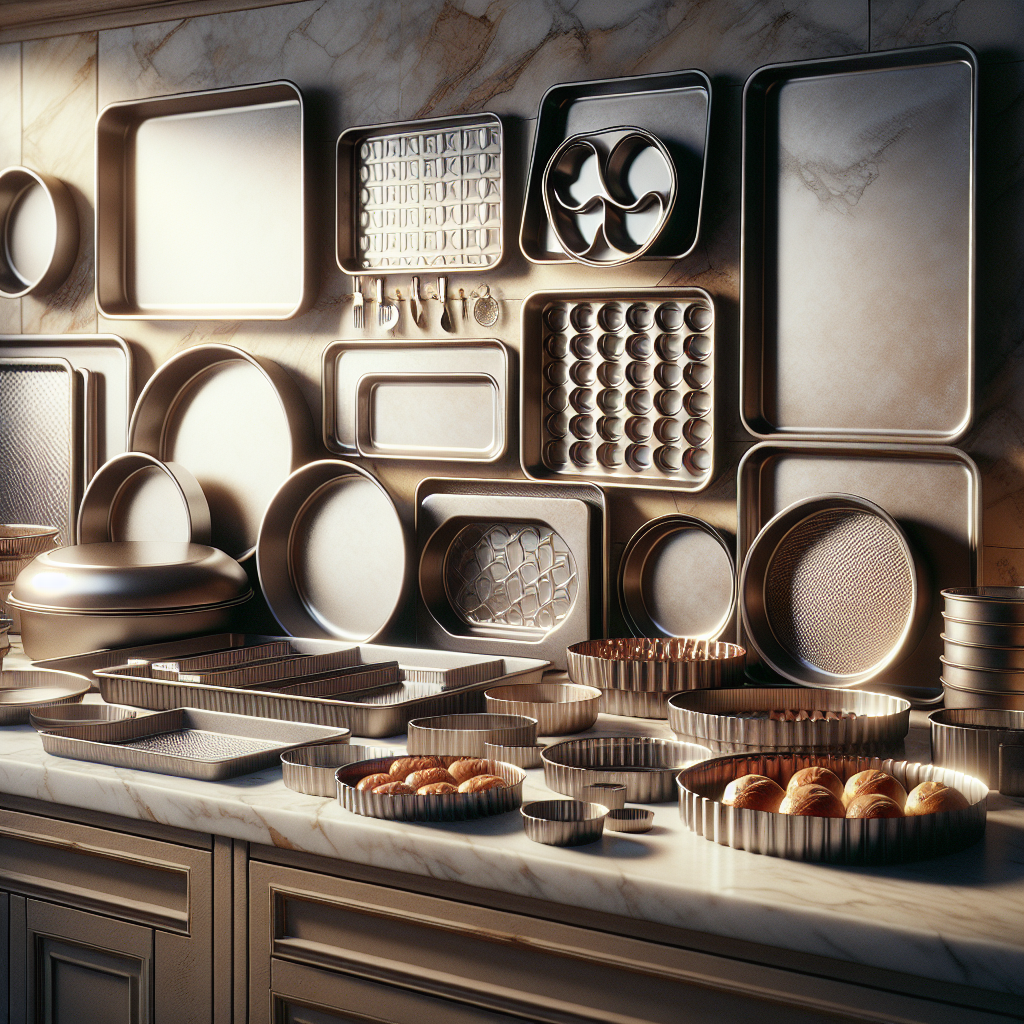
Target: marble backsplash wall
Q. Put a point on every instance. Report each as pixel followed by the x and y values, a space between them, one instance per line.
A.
pixel 368 61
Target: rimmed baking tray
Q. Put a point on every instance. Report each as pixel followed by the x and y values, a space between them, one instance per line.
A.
pixel 987 744
pixel 674 106
pixel 21 690
pixel 201 206
pixel 186 742
pixel 832 840
pixel 857 257
pixel 934 494
pixel 510 567
pixel 237 422
pixel 443 400
pixel 416 194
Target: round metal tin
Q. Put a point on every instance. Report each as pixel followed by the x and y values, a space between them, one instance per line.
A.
pixel 635 703
pixel 56 716
pixel 677 577
pixel 985 604
pixel 522 757
pixel 962 697
pixel 996 680
pixel 23 689
pixel 465 735
pixel 986 743
pixel 986 634
pixel 833 840
pixel 314 770
pixel 634 820
pixel 135 496
pixel 22 540
pixel 559 708
pixel 563 822
pixel 237 422
pixel 983 656
pixel 332 556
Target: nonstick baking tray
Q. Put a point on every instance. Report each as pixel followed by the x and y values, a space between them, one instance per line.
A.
pixel 932 491
pixel 676 107
pixel 857 264
pixel 186 742
pixel 510 567
pixel 416 194
pixel 618 387
pixel 201 206
pixel 444 400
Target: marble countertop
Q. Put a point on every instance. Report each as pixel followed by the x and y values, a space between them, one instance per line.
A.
pixel 957 918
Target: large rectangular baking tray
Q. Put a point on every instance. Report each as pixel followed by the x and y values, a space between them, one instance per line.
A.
pixel 346 363
pixel 108 359
pixel 932 491
pixel 674 106
pixel 400 185
pixel 857 257
pixel 576 512
pixel 172 743
pixel 201 206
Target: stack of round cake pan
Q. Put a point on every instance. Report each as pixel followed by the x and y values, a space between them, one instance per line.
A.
pixel 983 660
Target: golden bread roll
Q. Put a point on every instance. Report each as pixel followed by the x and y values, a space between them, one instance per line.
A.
pixel 931 797
pixel 436 788
pixel 757 792
pixel 814 802
pixel 873 805
pixel 479 783
pixel 815 776
pixel 372 781
pixel 466 768
pixel 407 765
pixel 874 781
pixel 427 775
pixel 394 787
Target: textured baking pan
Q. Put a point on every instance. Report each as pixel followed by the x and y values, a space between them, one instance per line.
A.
pixel 25 689
pixel 832 840
pixel 675 106
pixel 420 194
pixel 201 206
pixel 415 379
pixel 438 807
pixel 186 742
pixel 731 722
pixel 850 164
pixel 618 387
pixel 647 767
pixel 465 735
pixel 313 770
pixel 933 493
pixel 512 567
pixel 661 666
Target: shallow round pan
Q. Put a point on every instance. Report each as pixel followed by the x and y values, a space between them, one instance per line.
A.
pixel 465 735
pixel 659 665
pixel 993 679
pixel 563 822
pixel 332 555
pixel 989 634
pixel 961 697
pixel 986 604
pixel 560 708
pixel 22 690
pixel 313 770
pixel 55 716
pixel 635 703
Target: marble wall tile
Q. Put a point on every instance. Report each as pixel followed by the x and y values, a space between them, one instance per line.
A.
pixel 10 151
pixel 58 112
pixel 1004 567
pixel 994 28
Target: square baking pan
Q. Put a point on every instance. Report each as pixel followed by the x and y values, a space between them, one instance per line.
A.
pixel 201 206
pixel 674 106
pixel 858 248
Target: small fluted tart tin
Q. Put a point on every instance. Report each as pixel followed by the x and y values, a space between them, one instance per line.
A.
pixel 629 819
pixel 665 665
pixel 720 720
pixel 830 840
pixel 560 708
pixel 466 735
pixel 314 770
pixel 983 742
pixel 436 807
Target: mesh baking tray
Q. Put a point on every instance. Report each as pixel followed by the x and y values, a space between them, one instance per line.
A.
pixel 186 742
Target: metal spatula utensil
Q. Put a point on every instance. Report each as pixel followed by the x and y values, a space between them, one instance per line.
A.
pixel 446 318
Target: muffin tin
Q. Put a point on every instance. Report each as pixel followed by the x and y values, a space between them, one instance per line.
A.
pixel 618 387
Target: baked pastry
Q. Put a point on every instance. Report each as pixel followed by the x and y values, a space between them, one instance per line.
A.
pixel 436 789
pixel 874 781
pixel 931 797
pixel 873 805
pixel 425 776
pixel 813 801
pixel 467 767
pixel 757 792
pixel 407 765
pixel 816 776
pixel 372 781
pixel 480 783
pixel 394 787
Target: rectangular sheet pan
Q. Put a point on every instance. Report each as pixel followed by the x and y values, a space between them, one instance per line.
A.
pixel 858 263
pixel 675 106
pixel 201 206
pixel 433 425
pixel 932 491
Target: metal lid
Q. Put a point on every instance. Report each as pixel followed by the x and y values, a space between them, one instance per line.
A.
pixel 130 576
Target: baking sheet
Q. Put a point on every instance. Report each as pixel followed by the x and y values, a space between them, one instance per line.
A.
pixel 857 265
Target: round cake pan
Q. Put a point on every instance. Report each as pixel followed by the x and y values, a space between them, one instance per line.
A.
pixel 831 593
pixel 40 232
pixel 237 422
pixel 635 703
pixel 983 656
pixel 314 770
pixel 55 716
pixel 21 690
pixel 986 604
pixel 677 578
pixel 988 744
pixel 332 555
pixel 721 720
pixel 522 757
pixel 632 820
pixel 465 735
pixel 438 807
pixel 22 540
pixel 962 697
pixel 647 767
pixel 831 840
pixel 988 634
pixel 563 822
pixel 135 496
pixel 665 665
pixel 993 679
pixel 559 708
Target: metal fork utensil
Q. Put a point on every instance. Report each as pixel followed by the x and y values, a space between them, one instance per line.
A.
pixel 387 312
pixel 357 304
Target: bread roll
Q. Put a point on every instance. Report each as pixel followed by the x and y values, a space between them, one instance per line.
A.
pixel 394 787
pixel 480 783
pixel 757 792
pixel 815 776
pixel 426 776
pixel 813 801
pixel 873 805
pixel 874 781
pixel 436 788
pixel 407 765
pixel 467 767
pixel 372 781
pixel 931 797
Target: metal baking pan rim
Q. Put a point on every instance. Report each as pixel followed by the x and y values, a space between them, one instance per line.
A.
pixel 126 612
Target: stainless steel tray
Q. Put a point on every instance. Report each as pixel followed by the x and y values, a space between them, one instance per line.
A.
pixel 201 206
pixel 675 106
pixel 442 415
pixel 510 567
pixel 832 840
pixel 857 263
pixel 988 744
pixel 618 387
pixel 186 742
pixel 24 689
pixel 933 493
pixel 416 194
pixel 237 422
